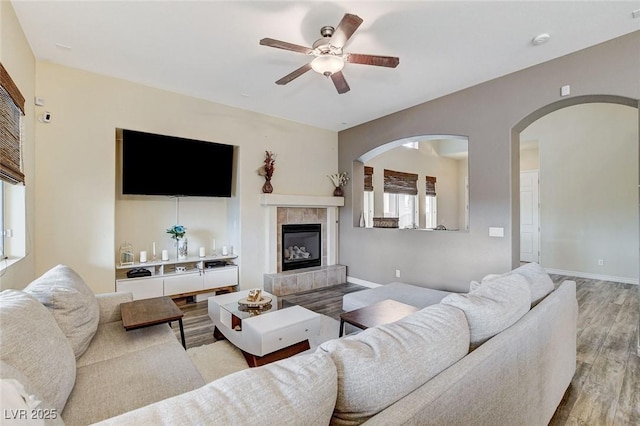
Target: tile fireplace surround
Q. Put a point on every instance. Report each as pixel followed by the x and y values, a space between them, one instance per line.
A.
pixel 299 209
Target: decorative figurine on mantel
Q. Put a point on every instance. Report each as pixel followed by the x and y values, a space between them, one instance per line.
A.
pixel 339 180
pixel 266 170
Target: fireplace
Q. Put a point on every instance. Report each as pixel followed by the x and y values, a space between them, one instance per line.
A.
pixel 301 246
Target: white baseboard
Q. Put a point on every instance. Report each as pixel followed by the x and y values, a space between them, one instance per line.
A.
pixel 625 280
pixel 354 280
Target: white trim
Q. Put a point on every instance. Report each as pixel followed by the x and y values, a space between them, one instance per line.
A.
pixel 624 280
pixel 354 280
pixel 6 263
pixel 281 200
pixel 367 156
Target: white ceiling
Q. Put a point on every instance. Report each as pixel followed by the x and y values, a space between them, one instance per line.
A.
pixel 210 50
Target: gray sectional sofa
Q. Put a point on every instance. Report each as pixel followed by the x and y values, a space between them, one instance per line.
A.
pixel 68 349
pixel 499 355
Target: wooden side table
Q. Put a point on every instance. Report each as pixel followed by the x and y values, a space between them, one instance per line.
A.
pixel 147 312
pixel 384 312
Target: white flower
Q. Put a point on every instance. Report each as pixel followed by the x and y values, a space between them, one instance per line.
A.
pixel 339 179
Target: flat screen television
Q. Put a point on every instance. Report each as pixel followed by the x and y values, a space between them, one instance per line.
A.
pixel 166 165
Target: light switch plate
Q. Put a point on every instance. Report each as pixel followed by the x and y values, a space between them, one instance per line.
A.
pixel 496 232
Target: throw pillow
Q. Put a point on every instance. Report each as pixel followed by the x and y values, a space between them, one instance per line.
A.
pixel 540 282
pixel 380 365
pixel 32 343
pixel 494 306
pixel 72 304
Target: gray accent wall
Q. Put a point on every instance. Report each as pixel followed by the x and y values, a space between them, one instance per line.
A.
pixel 491 115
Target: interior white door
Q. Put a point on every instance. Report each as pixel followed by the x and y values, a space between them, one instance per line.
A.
pixel 529 217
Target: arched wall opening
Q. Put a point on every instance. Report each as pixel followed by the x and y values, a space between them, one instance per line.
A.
pixel 516 132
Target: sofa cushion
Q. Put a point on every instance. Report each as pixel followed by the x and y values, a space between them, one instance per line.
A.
pixel 109 305
pixel 32 343
pixel 383 364
pixel 133 380
pixel 71 302
pixel 112 340
pixel 539 281
pixel 494 306
pixel 296 391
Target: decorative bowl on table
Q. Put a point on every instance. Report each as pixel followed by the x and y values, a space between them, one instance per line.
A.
pixel 261 303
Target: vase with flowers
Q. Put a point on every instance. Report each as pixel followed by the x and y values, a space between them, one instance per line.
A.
pixel 266 170
pixel 178 233
pixel 339 180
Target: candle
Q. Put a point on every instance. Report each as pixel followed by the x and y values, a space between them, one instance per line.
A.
pixel 224 251
pixel 154 250
pixel 213 247
pixel 202 252
pixel 165 254
pixel 143 256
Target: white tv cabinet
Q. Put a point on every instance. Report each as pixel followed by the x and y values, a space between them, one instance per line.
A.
pixel 166 280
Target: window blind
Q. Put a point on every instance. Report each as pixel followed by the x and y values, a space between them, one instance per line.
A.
pixel 368 178
pixel 400 182
pixel 11 111
pixel 431 185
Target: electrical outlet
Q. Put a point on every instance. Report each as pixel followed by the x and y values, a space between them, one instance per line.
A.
pixel 397 273
pixel 600 262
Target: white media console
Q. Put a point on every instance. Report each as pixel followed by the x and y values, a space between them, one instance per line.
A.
pixel 167 278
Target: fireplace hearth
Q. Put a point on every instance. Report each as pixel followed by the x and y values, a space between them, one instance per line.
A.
pixel 301 246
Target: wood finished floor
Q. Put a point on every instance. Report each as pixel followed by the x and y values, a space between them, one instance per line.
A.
pixel 606 387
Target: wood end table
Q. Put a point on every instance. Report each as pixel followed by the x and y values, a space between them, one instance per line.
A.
pixel 384 312
pixel 147 312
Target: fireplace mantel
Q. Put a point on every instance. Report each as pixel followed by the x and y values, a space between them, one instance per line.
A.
pixel 271 203
pixel 283 200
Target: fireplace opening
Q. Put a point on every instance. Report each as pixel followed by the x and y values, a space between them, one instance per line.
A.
pixel 301 246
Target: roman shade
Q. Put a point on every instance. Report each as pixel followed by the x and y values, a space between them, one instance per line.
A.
pixel 11 112
pixel 430 185
pixel 400 182
pixel 368 178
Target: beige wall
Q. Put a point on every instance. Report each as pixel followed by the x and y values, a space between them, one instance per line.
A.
pixel 486 113
pixel 588 189
pixel 16 57
pixel 79 220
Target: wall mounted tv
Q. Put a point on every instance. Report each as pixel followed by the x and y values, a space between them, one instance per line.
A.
pixel 166 165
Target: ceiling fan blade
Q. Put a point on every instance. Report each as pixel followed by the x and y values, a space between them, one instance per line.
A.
pixel 340 82
pixel 286 46
pixel 295 74
pixel 380 61
pixel 345 29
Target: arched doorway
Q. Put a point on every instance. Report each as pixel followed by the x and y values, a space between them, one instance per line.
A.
pixel 573 244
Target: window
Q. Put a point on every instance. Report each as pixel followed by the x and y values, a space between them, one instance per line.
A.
pixel 368 209
pixel 2 251
pixel 430 205
pixel 402 206
pixel 401 197
pixel 11 112
pixel 431 212
pixel 368 202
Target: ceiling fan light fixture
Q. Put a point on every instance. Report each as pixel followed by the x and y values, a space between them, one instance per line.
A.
pixel 327 64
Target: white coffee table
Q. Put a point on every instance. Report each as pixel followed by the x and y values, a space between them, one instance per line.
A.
pixel 265 335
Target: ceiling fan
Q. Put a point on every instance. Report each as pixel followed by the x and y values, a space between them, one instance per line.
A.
pixel 329 57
